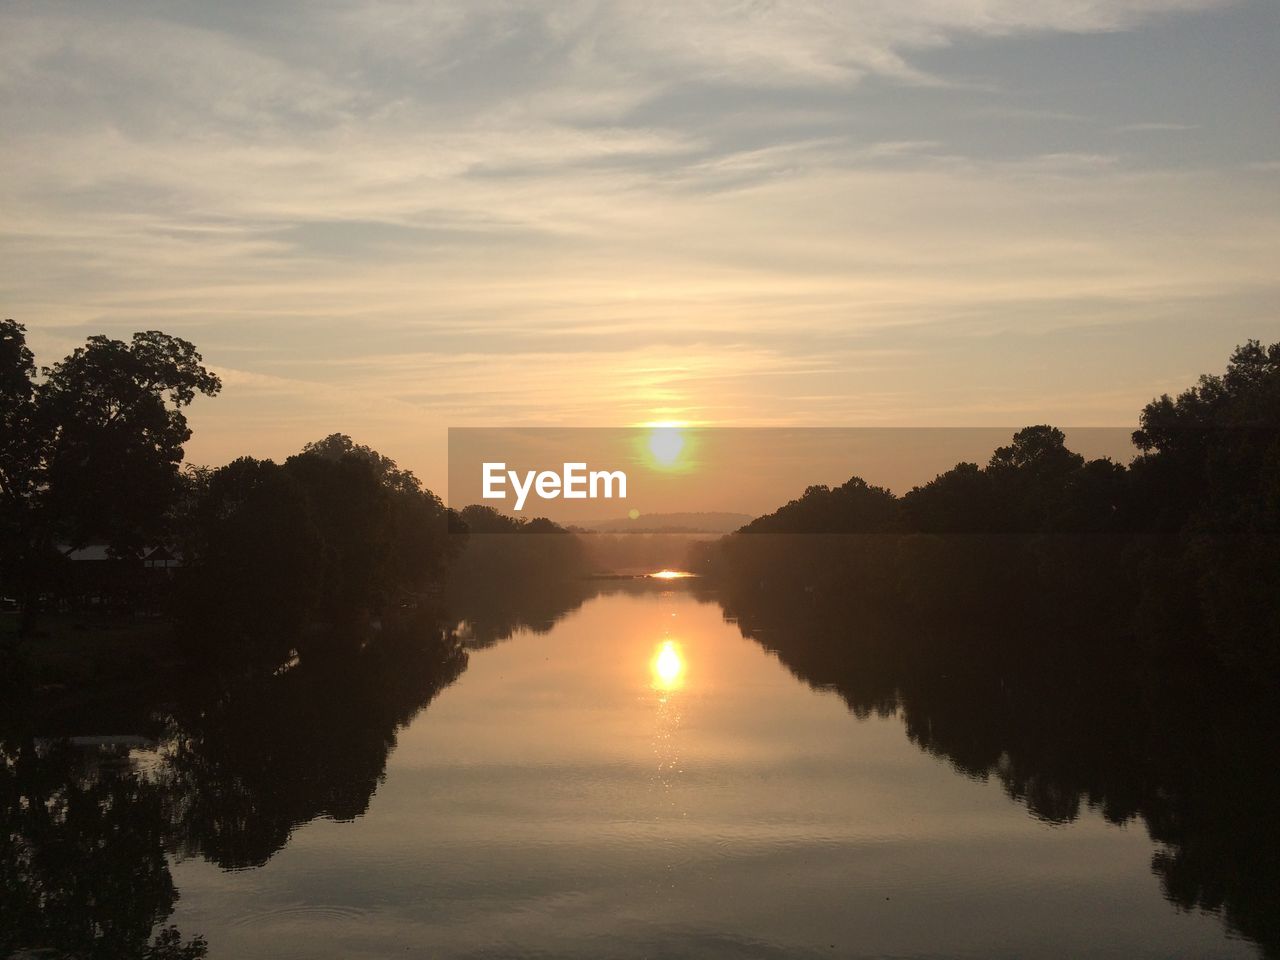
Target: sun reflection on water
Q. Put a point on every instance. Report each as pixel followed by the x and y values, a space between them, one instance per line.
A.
pixel 670 575
pixel 667 666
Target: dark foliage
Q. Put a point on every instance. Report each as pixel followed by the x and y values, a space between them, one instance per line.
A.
pixel 89 451
pixel 506 553
pixel 303 555
pixel 1182 547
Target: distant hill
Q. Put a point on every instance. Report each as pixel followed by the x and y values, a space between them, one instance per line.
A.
pixel 672 523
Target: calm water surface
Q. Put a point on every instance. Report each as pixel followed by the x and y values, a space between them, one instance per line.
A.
pixel 641 780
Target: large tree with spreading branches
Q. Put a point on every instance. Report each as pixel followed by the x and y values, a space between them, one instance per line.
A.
pixel 90 447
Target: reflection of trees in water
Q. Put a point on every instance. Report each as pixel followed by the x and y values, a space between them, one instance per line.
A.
pixel 1064 716
pixel 83 865
pixel 248 765
pixel 242 763
pixel 82 858
pixel 1055 709
pixel 493 609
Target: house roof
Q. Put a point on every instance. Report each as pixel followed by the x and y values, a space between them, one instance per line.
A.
pixel 94 551
pixel 99 551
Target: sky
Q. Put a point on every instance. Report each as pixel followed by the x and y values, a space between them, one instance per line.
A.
pixel 389 218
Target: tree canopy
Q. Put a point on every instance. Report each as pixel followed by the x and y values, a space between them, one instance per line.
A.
pixel 91 446
pixel 1193 550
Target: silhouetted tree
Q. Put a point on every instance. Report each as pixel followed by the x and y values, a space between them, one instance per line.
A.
pixel 1210 475
pixel 1184 545
pixel 1032 477
pixel 962 500
pixel 497 551
pixel 853 507
pixel 385 534
pixel 297 556
pixel 254 560
pixel 91 450
pixel 338 446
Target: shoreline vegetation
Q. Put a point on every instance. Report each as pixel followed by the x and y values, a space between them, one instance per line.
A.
pixel 1087 634
pixel 1084 633
pixel 1177 551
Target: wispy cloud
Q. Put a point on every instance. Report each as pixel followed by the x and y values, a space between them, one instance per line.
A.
pixel 1157 127
pixel 588 211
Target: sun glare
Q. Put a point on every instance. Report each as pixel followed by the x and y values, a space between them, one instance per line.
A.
pixel 670 575
pixel 667 446
pixel 665 443
pixel 667 666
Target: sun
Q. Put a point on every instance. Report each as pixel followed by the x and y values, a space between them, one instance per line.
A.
pixel 665 443
pixel 667 446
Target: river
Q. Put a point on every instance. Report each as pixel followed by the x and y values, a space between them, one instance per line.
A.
pixel 637 778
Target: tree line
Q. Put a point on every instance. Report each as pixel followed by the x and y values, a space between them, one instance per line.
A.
pixel 1084 633
pixel 1183 543
pixel 1179 548
pixel 269 558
